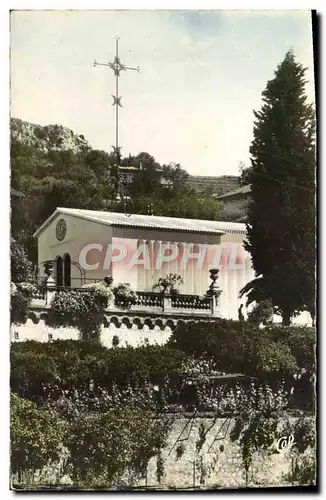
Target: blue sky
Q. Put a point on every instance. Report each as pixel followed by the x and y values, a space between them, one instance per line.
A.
pixel 201 76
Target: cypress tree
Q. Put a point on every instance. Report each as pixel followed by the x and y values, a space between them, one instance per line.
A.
pixel 281 219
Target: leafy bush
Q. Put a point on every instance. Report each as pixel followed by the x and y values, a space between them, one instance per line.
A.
pixel 234 347
pixel 28 289
pixel 83 309
pixel 106 446
pixel 102 292
pixel 19 303
pixel 38 369
pixel 21 296
pixel 21 268
pixel 150 377
pixel 124 296
pixel 261 313
pixel 100 447
pixel 36 435
pixel 302 343
pixel 18 308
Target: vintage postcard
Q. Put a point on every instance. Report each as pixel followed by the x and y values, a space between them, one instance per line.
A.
pixel 163 250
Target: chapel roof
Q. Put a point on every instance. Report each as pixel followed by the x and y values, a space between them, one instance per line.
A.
pixel 137 221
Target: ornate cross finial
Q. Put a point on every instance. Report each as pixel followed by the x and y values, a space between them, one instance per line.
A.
pixel 117 67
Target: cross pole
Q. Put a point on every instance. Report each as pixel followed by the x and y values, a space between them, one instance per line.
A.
pixel 117 67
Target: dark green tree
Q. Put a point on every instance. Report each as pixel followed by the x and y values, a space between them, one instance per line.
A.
pixel 281 218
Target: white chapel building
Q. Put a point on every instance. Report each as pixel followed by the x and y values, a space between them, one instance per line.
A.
pixel 87 246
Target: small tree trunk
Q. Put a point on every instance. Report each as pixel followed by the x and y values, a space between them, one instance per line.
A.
pixel 286 319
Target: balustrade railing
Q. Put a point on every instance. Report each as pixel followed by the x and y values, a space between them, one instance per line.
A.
pixel 149 299
pixel 190 302
pixel 146 301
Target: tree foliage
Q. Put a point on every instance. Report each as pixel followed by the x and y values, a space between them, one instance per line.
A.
pixel 21 268
pixel 163 191
pixel 262 312
pixel 281 218
pixel 52 177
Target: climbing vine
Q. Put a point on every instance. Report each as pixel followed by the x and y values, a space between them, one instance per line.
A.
pixel 159 467
pixel 202 437
pixel 82 309
pixel 254 432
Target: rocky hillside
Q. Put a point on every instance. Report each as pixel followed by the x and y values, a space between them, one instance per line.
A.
pixel 50 137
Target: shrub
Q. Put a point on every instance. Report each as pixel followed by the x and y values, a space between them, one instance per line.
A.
pixel 36 435
pixel 102 292
pixel 101 446
pixel 18 308
pixel 302 343
pixel 21 296
pixel 261 313
pixel 40 133
pixel 234 347
pixel 27 289
pixel 21 268
pixel 19 304
pixel 150 377
pixel 38 369
pixel 83 309
pixel 124 296
pixel 106 446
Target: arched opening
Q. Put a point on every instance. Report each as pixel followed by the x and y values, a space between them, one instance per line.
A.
pixel 59 271
pixel 67 270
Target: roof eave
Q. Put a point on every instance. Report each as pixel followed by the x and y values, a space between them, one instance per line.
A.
pixel 48 221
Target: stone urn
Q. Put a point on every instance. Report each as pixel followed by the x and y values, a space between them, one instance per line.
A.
pixel 213 290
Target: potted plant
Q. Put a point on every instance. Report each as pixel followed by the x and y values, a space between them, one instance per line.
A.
pixel 124 296
pixel 169 284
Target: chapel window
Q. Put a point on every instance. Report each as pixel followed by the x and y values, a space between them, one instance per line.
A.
pixel 59 271
pixel 67 270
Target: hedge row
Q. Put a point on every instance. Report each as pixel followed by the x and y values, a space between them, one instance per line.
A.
pixel 242 347
pixel 73 364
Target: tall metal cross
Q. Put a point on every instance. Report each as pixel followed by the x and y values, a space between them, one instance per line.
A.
pixel 117 67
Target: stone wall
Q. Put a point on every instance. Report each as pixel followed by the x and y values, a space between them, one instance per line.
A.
pixel 221 459
pixel 228 470
pixel 133 336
